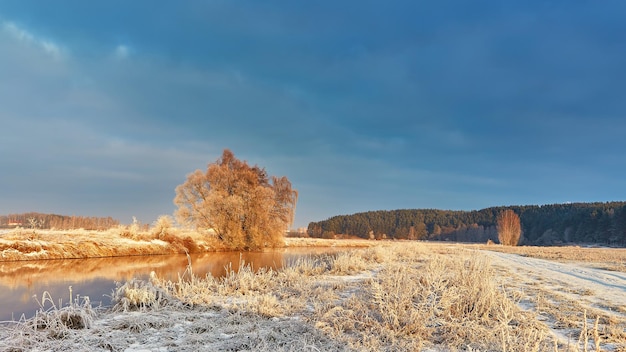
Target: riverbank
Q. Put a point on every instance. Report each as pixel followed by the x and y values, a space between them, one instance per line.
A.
pixel 391 297
pixel 21 244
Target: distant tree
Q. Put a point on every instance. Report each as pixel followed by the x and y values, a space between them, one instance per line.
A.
pixel 509 228
pixel 420 231
pixel 402 233
pixel 619 232
pixel 34 223
pixel 436 231
pixel 328 235
pixel 314 230
pixel 246 208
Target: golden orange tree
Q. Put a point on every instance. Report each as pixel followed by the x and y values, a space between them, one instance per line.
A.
pixel 246 208
pixel 509 228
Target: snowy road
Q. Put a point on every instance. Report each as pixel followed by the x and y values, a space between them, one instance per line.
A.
pixel 600 286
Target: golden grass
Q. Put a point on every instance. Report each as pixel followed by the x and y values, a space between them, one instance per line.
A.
pixel 443 301
pixel 322 242
pixel 23 244
pixel 120 241
pixel 397 297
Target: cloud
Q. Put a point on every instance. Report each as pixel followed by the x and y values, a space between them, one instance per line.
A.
pixel 404 105
pixel 46 45
pixel 121 52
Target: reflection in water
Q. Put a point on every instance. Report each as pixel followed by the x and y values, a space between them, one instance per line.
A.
pixel 20 282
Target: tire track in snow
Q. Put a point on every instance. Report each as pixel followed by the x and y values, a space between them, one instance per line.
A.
pixel 607 286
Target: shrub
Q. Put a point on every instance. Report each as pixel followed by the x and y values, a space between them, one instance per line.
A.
pixel 162 226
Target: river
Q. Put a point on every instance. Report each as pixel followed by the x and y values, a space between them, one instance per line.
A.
pixel 22 284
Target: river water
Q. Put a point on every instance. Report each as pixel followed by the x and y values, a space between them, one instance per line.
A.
pixel 23 284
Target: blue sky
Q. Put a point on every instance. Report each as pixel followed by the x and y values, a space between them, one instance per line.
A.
pixel 106 106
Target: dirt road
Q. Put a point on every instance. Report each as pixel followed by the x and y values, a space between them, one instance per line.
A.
pixel 603 285
pixel 562 293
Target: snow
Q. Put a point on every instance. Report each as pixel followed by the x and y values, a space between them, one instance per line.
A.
pixel 601 285
pixel 590 288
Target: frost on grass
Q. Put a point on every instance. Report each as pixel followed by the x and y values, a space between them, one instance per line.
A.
pixel 175 329
pixel 391 299
pixel 400 297
pixel 51 323
pixel 138 295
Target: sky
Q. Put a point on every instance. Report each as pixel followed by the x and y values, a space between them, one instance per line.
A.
pixel 106 106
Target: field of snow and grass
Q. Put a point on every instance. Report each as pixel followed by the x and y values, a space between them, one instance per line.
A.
pixel 394 296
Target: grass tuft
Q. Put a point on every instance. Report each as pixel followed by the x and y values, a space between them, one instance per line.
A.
pixel 138 295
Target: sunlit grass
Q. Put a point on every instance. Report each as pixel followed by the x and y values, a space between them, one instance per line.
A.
pixel 120 241
pixel 22 244
pixel 396 296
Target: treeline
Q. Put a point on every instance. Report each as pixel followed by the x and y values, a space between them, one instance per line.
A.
pixel 603 223
pixel 58 222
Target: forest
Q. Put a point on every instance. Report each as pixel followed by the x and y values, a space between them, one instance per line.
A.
pixel 58 222
pixel 554 224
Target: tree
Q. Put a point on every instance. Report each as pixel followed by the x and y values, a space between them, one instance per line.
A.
pixel 245 207
pixel 509 228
